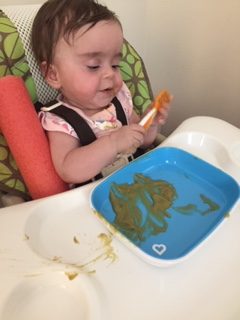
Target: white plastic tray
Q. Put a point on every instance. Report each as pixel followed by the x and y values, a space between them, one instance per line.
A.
pixel 58 261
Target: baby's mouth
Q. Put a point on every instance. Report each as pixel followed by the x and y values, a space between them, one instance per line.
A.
pixel 107 90
pixel 108 93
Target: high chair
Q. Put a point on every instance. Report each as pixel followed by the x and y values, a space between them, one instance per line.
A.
pixel 61 259
pixel 17 59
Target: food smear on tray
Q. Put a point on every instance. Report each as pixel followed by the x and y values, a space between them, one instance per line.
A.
pixel 142 207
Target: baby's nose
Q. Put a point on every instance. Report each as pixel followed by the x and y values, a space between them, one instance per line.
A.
pixel 108 72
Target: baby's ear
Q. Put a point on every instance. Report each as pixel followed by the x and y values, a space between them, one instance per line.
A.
pixel 50 75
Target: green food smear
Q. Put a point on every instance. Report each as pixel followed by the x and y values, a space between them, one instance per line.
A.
pixel 142 207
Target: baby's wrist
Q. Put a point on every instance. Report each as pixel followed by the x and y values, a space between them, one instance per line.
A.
pixel 113 144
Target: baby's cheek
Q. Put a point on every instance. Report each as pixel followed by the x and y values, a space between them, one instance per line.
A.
pixel 119 83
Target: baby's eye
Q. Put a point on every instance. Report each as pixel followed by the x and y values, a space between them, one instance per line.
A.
pixel 93 67
pixel 115 66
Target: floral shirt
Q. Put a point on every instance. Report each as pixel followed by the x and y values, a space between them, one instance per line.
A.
pixel 101 123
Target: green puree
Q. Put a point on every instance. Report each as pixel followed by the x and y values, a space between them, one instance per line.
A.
pixel 141 208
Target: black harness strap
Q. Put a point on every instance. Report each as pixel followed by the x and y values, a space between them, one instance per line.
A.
pixel 80 126
pixel 121 116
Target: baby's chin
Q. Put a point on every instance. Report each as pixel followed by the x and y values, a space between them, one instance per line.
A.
pixel 105 104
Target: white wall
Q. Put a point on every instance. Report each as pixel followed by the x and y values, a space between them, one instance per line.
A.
pixel 191 48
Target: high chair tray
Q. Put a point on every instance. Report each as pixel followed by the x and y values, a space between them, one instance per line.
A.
pixel 165 203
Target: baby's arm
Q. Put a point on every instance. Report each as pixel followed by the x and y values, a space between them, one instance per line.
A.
pixel 76 164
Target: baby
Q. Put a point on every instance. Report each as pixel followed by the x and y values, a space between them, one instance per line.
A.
pixel 92 126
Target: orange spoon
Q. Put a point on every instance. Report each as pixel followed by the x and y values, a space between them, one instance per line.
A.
pixel 163 98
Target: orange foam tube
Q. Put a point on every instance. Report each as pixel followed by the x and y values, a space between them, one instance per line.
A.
pixel 26 139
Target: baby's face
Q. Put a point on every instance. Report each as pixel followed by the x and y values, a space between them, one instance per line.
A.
pixel 87 68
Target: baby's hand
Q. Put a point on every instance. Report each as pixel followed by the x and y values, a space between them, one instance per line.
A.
pixel 157 113
pixel 128 138
pixel 162 115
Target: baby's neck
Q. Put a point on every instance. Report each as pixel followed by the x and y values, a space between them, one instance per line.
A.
pixel 87 111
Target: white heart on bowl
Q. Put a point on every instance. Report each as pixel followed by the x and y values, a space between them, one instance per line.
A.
pixel 159 248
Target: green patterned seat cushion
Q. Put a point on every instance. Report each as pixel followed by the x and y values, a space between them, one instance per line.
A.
pixel 13 61
pixel 12 55
pixel 135 76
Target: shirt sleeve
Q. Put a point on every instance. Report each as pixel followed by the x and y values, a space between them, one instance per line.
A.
pixel 52 122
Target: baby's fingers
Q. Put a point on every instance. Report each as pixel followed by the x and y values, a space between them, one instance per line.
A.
pixel 163 115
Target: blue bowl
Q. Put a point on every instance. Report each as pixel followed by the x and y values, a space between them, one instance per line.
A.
pixel 165 203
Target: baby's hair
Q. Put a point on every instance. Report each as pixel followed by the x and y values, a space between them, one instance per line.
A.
pixel 57 18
